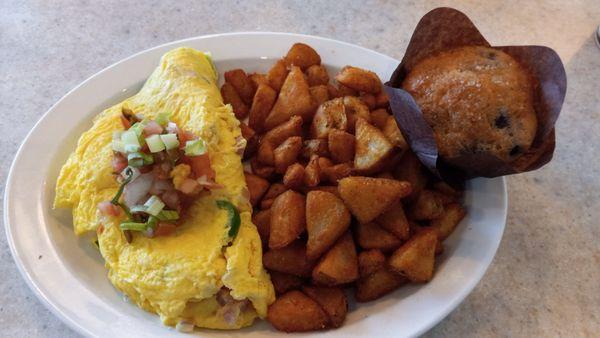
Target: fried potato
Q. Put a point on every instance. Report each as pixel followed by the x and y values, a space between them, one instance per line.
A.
pixel 265 153
pixel 447 190
pixel 288 219
pixel 369 197
pixel 261 106
pixel 296 312
pixel 339 265
pixel 317 75
pixel 312 172
pixel 313 147
pixel 257 186
pixel 370 261
pixel 394 220
pixel 377 285
pixel 392 162
pixel 448 220
pixel 258 79
pixel 382 100
pixel 341 146
pixel 275 190
pixel 294 99
pixel 368 99
pixel 242 84
pixel 251 140
pixel 327 188
pixel 294 176
pixel 324 162
pixel 266 203
pixel 393 134
pixel 287 153
pixel 346 91
pixel 303 56
pixel 439 248
pixel 293 127
pixel 332 300
pixel 290 259
pixel 262 220
pixel 277 74
pixel 231 96
pixel 327 218
pixel 284 282
pixel 372 236
pixel 330 115
pixel 379 118
pixel 320 94
pixel 260 169
pixel 334 173
pixel 333 91
pixel 410 169
pixel 386 174
pixel 372 148
pixel 355 108
pixel 415 259
pixel 359 79
pixel 429 205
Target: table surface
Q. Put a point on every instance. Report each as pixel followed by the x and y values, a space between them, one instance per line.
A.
pixel 545 279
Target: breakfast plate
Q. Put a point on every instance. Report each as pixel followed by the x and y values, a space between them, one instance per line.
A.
pixel 68 274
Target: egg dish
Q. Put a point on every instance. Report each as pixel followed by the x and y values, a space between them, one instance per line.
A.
pixel 159 179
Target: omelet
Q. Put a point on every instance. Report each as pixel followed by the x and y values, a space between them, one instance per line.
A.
pixel 178 277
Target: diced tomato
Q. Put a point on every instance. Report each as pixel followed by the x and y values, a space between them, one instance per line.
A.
pixel 125 122
pixel 200 166
pixel 152 128
pixel 119 162
pixel 109 209
pixel 190 186
pixel 164 229
pixel 184 136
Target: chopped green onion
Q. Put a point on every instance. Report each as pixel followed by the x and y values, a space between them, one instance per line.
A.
pixel 154 205
pixel 131 142
pixel 118 146
pixel 138 208
pixel 128 177
pixel 170 141
pixel 125 210
pixel 135 226
pixel 168 215
pixel 138 128
pixel 117 135
pixel 163 118
pixel 130 171
pixel 155 144
pixel 234 220
pixel 152 222
pixel 195 148
pixel 139 159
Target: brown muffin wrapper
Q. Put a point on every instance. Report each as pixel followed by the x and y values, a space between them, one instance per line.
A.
pixel 446 28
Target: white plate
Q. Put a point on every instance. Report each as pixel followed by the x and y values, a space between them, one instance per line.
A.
pixel 68 275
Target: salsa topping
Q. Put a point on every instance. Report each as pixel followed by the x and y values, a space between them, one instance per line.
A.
pixel 161 170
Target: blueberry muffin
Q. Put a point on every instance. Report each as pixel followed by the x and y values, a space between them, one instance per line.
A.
pixel 477 100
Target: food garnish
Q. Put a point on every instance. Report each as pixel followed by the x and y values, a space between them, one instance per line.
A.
pixel 161 169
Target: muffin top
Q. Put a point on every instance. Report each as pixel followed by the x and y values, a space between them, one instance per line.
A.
pixel 477 100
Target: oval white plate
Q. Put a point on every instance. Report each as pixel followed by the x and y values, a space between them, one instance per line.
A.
pixel 68 274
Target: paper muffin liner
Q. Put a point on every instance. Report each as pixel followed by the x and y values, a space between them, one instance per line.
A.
pixel 446 28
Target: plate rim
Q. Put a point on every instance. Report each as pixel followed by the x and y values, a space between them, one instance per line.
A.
pixel 81 329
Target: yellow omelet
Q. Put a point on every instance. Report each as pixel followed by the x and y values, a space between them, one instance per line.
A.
pixel 176 276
